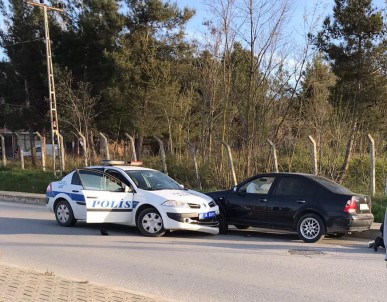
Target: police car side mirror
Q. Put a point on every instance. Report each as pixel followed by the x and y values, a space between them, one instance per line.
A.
pixel 127 189
pixel 181 186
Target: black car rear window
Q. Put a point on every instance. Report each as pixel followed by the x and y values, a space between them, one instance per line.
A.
pixel 332 186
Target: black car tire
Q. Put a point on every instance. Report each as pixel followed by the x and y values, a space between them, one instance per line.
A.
pixel 223 226
pixel 241 227
pixel 64 214
pixel 150 223
pixel 311 228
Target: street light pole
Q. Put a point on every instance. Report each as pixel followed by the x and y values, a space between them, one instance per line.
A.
pixel 51 87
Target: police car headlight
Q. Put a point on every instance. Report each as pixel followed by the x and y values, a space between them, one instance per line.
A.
pixel 175 204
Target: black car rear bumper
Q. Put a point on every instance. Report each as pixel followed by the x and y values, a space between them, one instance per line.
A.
pixel 350 223
pixel 361 223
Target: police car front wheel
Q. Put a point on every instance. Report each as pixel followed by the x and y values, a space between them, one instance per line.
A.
pixel 150 223
pixel 64 214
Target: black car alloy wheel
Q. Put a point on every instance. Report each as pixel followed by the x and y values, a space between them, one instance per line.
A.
pixel 311 228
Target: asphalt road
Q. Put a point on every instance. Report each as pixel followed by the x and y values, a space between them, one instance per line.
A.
pixel 185 266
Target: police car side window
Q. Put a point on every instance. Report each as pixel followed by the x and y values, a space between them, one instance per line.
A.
pixel 95 180
pixel 117 175
pixel 76 180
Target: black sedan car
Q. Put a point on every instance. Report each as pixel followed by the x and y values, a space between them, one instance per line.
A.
pixel 312 205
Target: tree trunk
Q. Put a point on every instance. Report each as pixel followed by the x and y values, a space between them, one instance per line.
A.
pixel 348 152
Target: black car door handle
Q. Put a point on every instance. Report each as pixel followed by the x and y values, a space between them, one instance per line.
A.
pixel 262 199
pixel 75 191
pixel 300 201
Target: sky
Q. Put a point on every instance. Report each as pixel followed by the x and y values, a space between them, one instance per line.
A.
pixel 195 29
pixel 296 14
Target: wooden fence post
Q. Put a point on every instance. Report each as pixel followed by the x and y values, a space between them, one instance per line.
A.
pixel 372 164
pixel 230 162
pixel 274 152
pixel 3 155
pixel 314 155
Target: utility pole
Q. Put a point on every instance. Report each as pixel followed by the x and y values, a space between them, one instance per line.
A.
pixel 51 87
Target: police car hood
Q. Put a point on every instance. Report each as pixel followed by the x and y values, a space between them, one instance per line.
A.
pixel 181 195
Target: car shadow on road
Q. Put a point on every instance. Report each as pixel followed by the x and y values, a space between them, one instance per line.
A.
pixel 50 227
pixel 256 239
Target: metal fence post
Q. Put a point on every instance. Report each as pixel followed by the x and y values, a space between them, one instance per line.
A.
pixel 43 149
pixel 314 155
pixel 372 164
pixel 191 149
pixel 230 162
pixel 274 151
pixel 3 155
pixel 162 155
pixel 133 147
pixel 105 145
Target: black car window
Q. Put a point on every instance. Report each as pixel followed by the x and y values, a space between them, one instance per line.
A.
pixel 331 185
pixel 75 179
pixel 260 185
pixel 295 186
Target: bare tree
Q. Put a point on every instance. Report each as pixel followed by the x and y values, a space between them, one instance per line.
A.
pixel 76 106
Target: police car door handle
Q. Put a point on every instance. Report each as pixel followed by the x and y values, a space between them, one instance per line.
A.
pixel 75 191
pixel 93 197
pixel 300 201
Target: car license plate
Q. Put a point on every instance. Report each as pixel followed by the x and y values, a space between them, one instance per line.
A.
pixel 364 207
pixel 207 215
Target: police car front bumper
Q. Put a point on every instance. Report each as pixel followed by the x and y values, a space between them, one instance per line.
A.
pixel 191 221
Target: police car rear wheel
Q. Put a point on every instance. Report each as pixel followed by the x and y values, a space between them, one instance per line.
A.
pixel 64 214
pixel 150 223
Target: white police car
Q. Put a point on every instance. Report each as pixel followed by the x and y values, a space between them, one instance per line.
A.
pixel 124 193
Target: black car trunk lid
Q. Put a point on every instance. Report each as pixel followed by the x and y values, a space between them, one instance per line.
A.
pixel 358 204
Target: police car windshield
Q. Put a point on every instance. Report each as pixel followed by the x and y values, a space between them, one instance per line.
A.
pixel 152 180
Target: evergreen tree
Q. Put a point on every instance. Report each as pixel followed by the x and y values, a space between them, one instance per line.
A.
pixel 354 42
pixel 23 42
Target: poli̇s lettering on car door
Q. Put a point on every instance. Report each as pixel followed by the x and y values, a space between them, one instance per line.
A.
pixel 107 198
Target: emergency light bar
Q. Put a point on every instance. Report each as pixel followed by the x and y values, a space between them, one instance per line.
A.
pixel 108 162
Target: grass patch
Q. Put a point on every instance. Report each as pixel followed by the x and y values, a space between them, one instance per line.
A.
pixel 379 204
pixel 18 180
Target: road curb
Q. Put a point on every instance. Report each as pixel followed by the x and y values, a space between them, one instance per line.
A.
pixel 27 198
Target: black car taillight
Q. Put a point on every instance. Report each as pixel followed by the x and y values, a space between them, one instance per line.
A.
pixel 350 206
